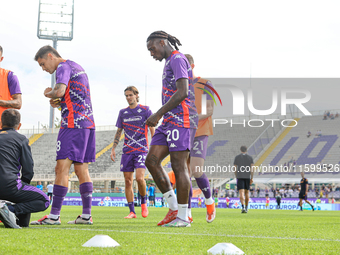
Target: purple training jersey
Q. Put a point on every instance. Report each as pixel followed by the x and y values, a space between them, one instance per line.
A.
pixel 13 84
pixel 185 114
pixel 135 130
pixel 76 106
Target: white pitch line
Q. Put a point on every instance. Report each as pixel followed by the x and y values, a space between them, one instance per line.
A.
pixel 191 234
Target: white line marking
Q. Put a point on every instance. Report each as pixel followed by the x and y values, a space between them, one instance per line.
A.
pixel 191 234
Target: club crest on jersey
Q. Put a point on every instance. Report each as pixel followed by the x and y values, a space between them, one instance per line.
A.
pixel 137 118
pixel 139 110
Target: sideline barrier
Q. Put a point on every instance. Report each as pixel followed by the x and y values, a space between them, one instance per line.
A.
pixel 286 204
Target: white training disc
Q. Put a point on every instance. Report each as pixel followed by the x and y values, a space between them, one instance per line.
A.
pixel 101 241
pixel 224 248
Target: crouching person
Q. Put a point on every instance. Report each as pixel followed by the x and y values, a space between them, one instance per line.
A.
pixel 15 157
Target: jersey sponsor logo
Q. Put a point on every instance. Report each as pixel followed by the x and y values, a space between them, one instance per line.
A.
pixel 198 152
pixel 137 118
pixel 172 145
pixel 141 164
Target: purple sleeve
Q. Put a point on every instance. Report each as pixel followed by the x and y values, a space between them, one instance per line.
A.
pixel 149 113
pixel 208 89
pixel 179 67
pixel 119 123
pixel 63 73
pixel 13 84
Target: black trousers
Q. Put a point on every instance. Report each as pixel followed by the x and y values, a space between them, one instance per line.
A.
pixel 28 199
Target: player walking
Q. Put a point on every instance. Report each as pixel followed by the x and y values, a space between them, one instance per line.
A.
pixel 178 128
pixel 205 129
pixel 267 201
pixel 132 120
pixel 76 142
pixel 244 174
pixel 303 191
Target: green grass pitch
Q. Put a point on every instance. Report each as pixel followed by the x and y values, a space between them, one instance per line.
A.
pixel 258 232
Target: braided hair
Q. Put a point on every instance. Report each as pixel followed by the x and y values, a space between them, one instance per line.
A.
pixel 163 35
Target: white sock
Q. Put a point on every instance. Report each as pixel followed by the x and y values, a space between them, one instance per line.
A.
pixel 171 199
pixel 189 212
pixel 53 216
pixel 209 201
pixel 183 212
pixel 86 216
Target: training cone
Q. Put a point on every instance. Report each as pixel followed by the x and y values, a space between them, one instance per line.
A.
pixel 101 241
pixel 224 248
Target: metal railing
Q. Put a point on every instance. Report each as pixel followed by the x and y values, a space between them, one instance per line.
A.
pixel 29 132
pixel 264 135
pixel 94 177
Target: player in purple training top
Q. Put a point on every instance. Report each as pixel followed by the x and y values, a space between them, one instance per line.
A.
pixel 76 142
pixel 132 120
pixel 176 134
pixel 10 93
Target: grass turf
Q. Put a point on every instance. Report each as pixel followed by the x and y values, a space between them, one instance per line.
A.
pixel 258 232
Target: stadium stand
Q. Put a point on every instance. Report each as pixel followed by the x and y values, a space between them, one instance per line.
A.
pixel 222 148
pixel 289 146
pixel 225 144
pixel 308 150
pixel 44 153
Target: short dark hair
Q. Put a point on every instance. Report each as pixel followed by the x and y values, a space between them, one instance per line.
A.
pixel 1 49
pixel 45 50
pixel 243 148
pixel 10 118
pixel 189 58
pixel 134 90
